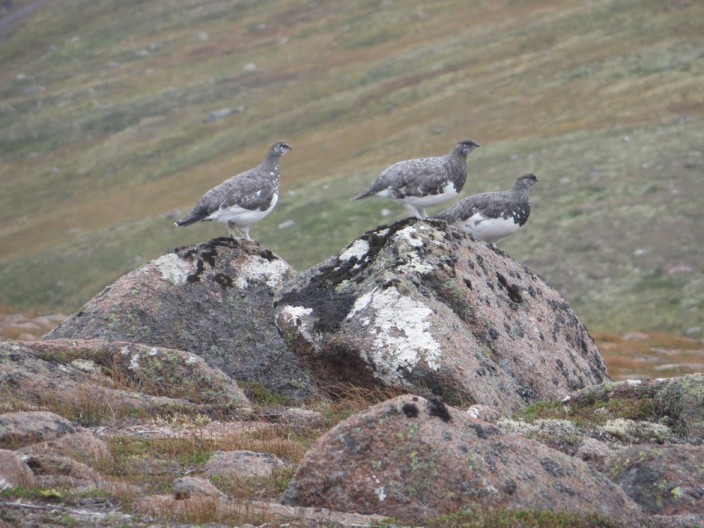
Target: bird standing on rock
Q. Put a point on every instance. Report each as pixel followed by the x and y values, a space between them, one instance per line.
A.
pixel 494 215
pixel 424 182
pixel 244 199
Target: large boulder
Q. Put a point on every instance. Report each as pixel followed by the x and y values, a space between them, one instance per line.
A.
pixel 214 300
pixel 421 306
pixel 415 459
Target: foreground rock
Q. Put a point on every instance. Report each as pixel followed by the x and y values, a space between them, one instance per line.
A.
pixel 237 465
pixel 150 369
pixel 24 428
pixel 646 436
pixel 82 446
pixel 421 306
pixel 92 382
pixel 214 300
pixel 13 471
pixel 663 480
pixel 415 459
pixel 669 409
pixel 53 472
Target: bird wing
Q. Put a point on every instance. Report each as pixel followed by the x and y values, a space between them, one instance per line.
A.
pixel 491 205
pixel 418 177
pixel 250 192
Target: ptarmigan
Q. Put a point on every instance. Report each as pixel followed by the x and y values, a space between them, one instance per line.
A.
pixel 244 199
pixel 494 215
pixel 424 182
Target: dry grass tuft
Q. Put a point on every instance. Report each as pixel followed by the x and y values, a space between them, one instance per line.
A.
pixel 347 399
pixel 199 509
pixel 256 488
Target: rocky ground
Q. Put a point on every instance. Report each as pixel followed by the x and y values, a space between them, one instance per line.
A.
pixel 418 378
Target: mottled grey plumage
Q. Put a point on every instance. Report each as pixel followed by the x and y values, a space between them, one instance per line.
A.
pixel 493 215
pixel 243 199
pixel 424 182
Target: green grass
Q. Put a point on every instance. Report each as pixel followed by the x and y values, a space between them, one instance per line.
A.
pixel 95 168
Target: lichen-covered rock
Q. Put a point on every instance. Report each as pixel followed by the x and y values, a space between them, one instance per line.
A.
pixel 485 413
pixel 562 435
pixel 671 410
pixel 187 487
pixel 82 446
pixel 414 459
pixel 682 400
pixel 214 300
pixel 636 431
pixel 79 389
pixel 154 370
pixel 594 452
pixel 51 471
pixel 663 480
pixel 240 465
pixel 23 428
pixel 421 306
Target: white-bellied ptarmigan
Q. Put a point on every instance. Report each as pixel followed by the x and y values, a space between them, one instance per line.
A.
pixel 424 182
pixel 244 199
pixel 494 215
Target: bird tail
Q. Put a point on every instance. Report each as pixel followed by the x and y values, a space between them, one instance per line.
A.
pixel 190 219
pixel 362 195
pixel 446 215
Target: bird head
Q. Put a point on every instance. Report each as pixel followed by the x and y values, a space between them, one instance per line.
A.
pixel 463 148
pixel 280 148
pixel 526 180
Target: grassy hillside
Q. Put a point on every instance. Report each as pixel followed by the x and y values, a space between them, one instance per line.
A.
pixel 109 131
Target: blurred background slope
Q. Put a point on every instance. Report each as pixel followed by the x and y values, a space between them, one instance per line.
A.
pixel 116 115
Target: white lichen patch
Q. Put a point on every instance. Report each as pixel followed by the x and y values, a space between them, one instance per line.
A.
pixel 358 249
pixel 153 351
pixel 86 365
pixel 360 304
pixel 400 333
pixel 173 269
pixel 409 235
pixel 414 264
pixel 636 431
pixel 134 362
pixel 301 318
pixel 295 312
pixel 258 269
